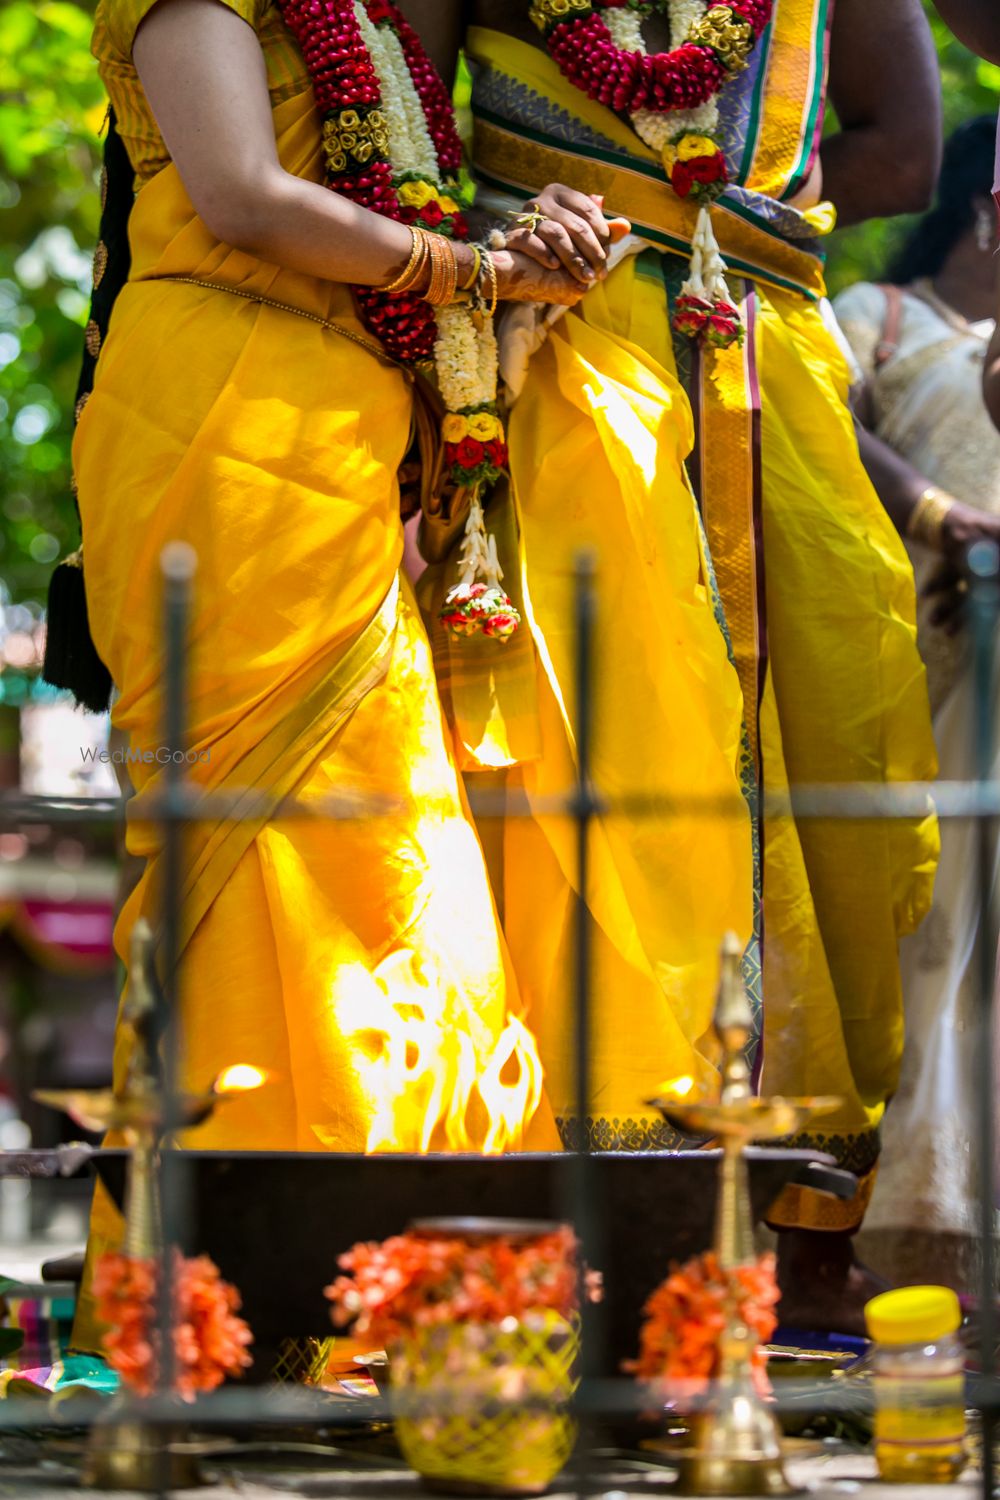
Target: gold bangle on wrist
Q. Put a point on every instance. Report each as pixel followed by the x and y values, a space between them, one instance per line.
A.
pixel 489 266
pixel 444 271
pixel 410 272
pixel 927 518
pixel 477 265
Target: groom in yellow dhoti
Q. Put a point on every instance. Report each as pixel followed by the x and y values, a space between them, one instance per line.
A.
pixel 696 391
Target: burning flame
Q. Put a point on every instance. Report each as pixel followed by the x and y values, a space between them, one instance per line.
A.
pixel 241 1078
pixel 678 1088
pixel 421 1061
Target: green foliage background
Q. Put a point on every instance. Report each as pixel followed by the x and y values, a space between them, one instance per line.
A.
pixel 51 108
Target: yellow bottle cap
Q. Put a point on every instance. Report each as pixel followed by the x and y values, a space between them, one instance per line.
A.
pixel 913 1315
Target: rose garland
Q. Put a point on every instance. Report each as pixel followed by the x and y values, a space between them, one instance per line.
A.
pixel 672 100
pixel 210 1340
pixel 716 47
pixel 391 145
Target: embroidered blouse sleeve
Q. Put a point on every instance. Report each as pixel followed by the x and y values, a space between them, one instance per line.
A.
pixel 124 17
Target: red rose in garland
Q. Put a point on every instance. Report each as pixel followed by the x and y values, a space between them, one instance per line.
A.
pixel 469 453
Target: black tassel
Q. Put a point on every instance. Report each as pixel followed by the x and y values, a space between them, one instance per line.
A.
pixel 71 659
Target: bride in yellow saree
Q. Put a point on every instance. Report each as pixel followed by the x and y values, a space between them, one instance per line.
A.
pixel 243 406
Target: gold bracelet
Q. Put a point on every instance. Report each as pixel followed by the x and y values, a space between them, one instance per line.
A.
pixel 477 265
pixel 927 518
pixel 489 266
pixel 407 275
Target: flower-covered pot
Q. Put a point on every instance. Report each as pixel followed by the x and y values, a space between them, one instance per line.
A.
pixel 483 1409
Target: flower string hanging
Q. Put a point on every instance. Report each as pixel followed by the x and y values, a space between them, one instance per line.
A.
pixel 391 145
pixel 477 602
pixel 671 99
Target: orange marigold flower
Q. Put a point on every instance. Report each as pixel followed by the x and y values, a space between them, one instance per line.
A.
pixel 686 1315
pixel 414 1280
pixel 210 1339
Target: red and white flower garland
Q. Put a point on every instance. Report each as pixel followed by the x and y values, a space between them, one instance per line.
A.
pixel 672 101
pixel 392 146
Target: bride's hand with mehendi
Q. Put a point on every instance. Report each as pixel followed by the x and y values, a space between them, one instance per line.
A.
pixel 566 228
pixel 520 278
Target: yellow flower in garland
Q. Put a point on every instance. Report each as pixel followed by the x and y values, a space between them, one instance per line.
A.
pixel 484 426
pixel 691 146
pixel 454 428
pixel 417 194
pixel 730 37
pixel 349 136
pixel 544 12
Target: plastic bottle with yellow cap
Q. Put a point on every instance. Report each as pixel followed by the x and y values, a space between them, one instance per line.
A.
pixel 919 1377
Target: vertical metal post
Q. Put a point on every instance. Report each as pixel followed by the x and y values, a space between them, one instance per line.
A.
pixel 584 1216
pixel 984 613
pixel 178 564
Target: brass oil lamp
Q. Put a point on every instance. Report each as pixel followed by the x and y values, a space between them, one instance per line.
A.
pixel 124 1451
pixel 737 1440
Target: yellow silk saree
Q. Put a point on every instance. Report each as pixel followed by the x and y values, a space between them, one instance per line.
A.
pixel 358 963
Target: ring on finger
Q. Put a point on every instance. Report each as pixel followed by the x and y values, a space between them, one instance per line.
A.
pixel 528 219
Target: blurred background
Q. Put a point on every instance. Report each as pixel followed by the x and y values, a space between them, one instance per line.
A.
pixel 58 979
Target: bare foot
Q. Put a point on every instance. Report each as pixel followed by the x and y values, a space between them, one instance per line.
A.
pixel 824 1287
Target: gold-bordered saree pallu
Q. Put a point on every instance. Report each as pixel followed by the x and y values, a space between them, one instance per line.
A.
pixel 814 590
pixel 359 962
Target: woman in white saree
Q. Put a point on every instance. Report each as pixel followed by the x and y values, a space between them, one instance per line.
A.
pixel 920 341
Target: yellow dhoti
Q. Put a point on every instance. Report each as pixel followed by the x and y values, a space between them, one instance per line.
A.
pixel 597 443
pixel 815 596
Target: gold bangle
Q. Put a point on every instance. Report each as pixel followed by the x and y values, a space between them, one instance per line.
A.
pixel 477 265
pixel 489 266
pixel 444 271
pixel 436 285
pixel 405 278
pixel 927 518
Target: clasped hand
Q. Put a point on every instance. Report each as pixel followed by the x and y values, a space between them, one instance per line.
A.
pixel 561 250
